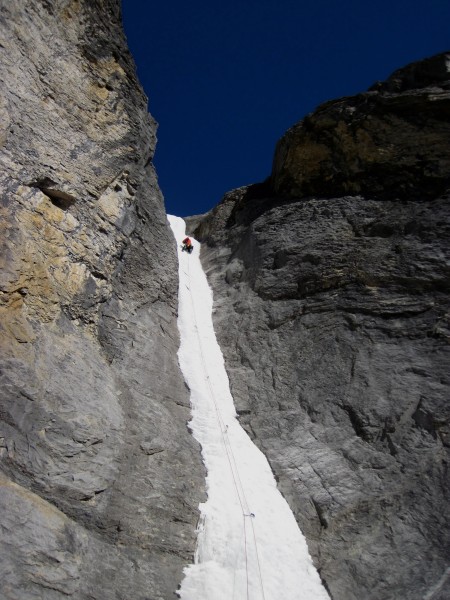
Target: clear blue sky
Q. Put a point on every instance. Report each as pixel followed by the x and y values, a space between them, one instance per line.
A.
pixel 225 79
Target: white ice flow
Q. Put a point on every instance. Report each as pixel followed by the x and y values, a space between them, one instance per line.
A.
pixel 249 544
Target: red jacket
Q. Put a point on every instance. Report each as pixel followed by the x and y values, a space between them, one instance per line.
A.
pixel 187 241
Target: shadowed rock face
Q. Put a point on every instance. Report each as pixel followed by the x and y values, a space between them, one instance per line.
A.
pixel 333 314
pixel 100 478
pixel 390 142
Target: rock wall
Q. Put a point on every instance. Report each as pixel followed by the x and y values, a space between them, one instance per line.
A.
pixel 389 142
pixel 331 283
pixel 100 478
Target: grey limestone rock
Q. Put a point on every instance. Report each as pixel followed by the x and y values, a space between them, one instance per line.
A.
pixel 333 314
pixel 389 142
pixel 101 478
pixel 331 305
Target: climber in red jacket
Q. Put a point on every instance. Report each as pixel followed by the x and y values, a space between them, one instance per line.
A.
pixel 187 245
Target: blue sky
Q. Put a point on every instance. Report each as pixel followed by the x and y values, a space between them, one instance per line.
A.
pixel 226 79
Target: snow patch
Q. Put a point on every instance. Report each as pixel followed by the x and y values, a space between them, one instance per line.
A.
pixel 249 544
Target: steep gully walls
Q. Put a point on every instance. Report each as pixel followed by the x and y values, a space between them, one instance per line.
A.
pixel 331 282
pixel 332 278
pixel 101 479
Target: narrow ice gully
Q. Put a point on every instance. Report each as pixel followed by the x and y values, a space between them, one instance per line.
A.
pixel 249 545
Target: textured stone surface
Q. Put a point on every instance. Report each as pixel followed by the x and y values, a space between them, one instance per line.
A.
pixel 334 317
pixel 101 478
pixel 390 142
pixel 332 311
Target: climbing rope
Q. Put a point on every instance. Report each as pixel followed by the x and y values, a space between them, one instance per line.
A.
pixel 239 488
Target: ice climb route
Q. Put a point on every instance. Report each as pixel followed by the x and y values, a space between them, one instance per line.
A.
pixel 249 545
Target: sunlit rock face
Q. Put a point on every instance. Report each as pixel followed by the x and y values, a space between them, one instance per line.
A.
pixel 101 479
pixel 331 283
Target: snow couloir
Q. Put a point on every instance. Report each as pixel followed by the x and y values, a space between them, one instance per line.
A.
pixel 249 544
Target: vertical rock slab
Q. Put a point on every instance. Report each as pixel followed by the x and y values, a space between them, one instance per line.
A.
pixel 332 312
pixel 100 474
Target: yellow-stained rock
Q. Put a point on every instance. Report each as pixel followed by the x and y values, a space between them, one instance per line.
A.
pixel 111 206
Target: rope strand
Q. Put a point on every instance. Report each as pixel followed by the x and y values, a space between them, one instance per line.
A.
pixel 239 488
